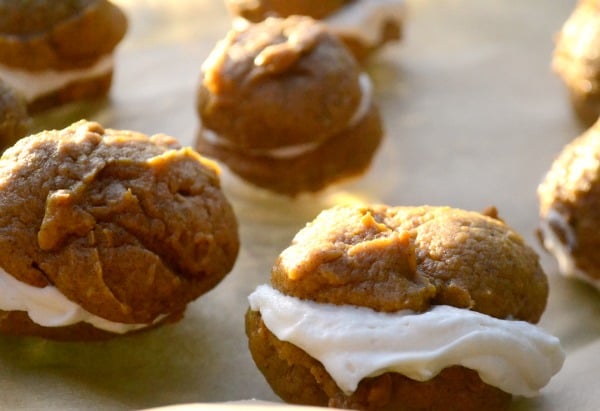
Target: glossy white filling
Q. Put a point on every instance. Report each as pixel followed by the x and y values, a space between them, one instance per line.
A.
pixel 366 88
pixel 364 18
pixel 561 251
pixel 282 152
pixel 48 307
pixel 366 99
pixel 34 84
pixel 353 342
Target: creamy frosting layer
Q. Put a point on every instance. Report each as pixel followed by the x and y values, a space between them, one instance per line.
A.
pixel 282 152
pixel 353 342
pixel 48 307
pixel 364 18
pixel 34 84
pixel 366 87
pixel 560 250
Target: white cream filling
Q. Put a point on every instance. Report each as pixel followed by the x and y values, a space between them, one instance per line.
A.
pixel 364 18
pixel 366 88
pixel 48 307
pixel 561 251
pixel 33 84
pixel 353 342
pixel 281 152
pixel 366 99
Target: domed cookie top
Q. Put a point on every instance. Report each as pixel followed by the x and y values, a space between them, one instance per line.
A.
pixel 58 34
pixel 60 51
pixel 395 258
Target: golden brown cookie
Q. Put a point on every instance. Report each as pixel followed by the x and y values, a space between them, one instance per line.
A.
pixel 569 198
pixel 285 106
pixel 104 232
pixel 59 51
pixel 364 25
pixel 362 266
pixel 14 118
pixel 577 61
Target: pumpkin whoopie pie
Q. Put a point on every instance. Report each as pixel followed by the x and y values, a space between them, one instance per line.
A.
pixel 285 106
pixel 59 51
pixel 105 232
pixel 403 308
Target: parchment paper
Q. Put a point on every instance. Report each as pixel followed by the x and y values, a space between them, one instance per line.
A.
pixel 474 117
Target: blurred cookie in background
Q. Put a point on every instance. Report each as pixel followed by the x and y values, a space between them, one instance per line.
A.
pixel 14 117
pixel 576 59
pixel 286 107
pixel 364 25
pixel 569 208
pixel 59 51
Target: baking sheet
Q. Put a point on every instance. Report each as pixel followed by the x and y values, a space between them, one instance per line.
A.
pixel 474 117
